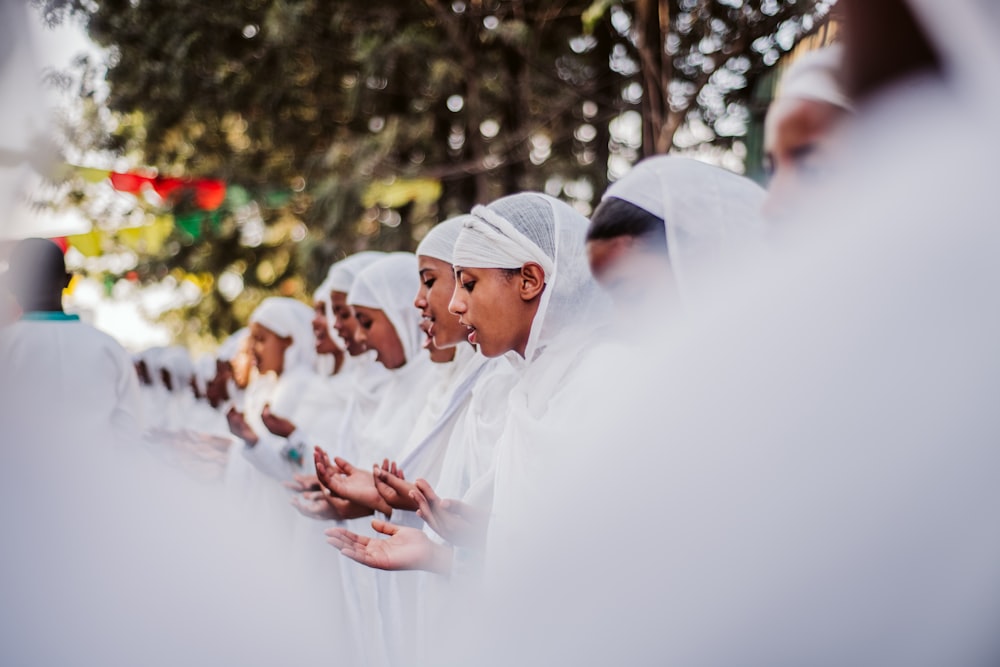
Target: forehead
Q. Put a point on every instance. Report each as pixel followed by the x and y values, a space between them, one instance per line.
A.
pixel 258 330
pixel 425 263
pixel 365 311
pixel 795 122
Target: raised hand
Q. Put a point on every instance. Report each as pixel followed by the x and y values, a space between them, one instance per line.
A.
pixel 357 485
pixel 460 523
pixel 406 548
pixel 275 424
pixel 239 427
pixel 321 506
pixel 303 483
pixel 393 487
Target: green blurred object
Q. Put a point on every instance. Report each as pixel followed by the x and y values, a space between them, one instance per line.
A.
pixel 190 223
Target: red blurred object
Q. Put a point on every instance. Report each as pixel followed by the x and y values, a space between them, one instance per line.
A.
pixel 130 183
pixel 165 187
pixel 209 194
pixel 62 242
pixel 132 276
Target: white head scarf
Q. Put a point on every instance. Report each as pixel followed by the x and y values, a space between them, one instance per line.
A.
pixel 322 295
pixel 440 240
pixel 533 227
pixel 709 212
pixel 231 345
pixel 342 274
pixel 390 284
pixel 289 318
pixel 176 361
pixel 815 75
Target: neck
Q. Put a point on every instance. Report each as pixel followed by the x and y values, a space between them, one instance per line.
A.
pixel 338 360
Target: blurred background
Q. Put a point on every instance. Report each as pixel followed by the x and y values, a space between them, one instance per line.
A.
pixel 193 158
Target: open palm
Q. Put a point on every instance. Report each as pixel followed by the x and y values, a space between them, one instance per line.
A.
pixel 405 548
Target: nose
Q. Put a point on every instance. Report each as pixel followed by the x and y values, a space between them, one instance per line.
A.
pixel 457 305
pixel 420 302
pixel 360 338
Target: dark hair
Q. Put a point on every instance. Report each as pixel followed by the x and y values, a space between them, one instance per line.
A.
pixel 37 274
pixel 616 217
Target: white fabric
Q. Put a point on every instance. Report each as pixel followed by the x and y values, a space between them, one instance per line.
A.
pixel 390 285
pixel 342 274
pixel 231 345
pixel 494 243
pixel 546 231
pixel 711 215
pixel 440 240
pixel 964 33
pixel 563 333
pixel 826 479
pixel 289 318
pixel 66 380
pixel 816 75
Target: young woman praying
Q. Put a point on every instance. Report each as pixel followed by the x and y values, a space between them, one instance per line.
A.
pixel 283 353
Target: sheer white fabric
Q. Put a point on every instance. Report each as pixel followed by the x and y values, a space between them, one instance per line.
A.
pixel 712 216
pixel 816 75
pixel 440 240
pixel 341 276
pixel 564 333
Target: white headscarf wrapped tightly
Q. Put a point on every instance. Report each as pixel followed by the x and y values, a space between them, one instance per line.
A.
pixel 533 227
pixel 710 213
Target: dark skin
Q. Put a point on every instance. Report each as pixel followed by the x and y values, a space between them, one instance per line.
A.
pixel 345 481
pixel 872 62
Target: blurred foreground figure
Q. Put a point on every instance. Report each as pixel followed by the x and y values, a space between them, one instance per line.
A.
pixel 811 103
pixel 806 475
pixel 61 377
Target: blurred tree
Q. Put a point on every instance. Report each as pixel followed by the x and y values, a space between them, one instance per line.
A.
pixel 321 115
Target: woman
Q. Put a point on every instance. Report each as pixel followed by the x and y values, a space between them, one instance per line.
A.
pixel 523 292
pixel 284 358
pixel 665 224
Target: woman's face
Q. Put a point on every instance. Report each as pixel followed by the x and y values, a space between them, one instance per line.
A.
pixel 321 331
pixel 496 307
pixel 437 284
pixel 793 149
pixel 632 274
pixel 345 324
pixel 267 349
pixel 376 332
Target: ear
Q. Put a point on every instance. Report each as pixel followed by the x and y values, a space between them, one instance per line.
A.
pixel 285 341
pixel 531 281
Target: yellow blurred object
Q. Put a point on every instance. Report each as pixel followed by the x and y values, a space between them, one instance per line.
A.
pixel 71 287
pixel 400 191
pixel 89 244
pixel 147 238
pixel 92 175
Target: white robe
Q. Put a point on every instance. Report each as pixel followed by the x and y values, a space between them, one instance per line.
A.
pixel 66 379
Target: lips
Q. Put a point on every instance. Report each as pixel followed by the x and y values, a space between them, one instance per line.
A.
pixel 472 334
pixel 427 326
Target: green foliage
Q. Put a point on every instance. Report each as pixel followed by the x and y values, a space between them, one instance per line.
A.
pixel 301 105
